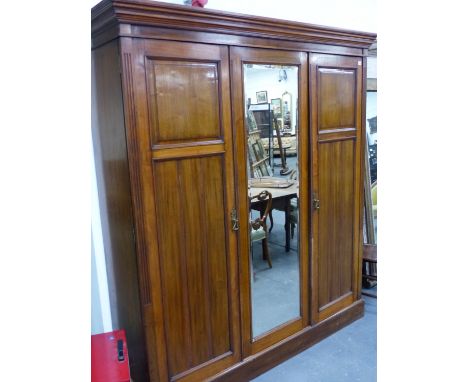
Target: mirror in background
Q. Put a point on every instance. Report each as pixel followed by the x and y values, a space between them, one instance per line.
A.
pixel 286 112
pixel 371 129
pixel 272 133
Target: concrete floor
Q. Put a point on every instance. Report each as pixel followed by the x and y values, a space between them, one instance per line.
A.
pixel 349 355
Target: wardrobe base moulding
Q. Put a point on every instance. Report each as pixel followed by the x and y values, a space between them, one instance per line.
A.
pixel 259 363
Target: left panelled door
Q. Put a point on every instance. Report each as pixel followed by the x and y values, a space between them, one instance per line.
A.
pixel 183 131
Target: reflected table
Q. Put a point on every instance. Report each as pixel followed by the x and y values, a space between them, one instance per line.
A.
pixel 281 200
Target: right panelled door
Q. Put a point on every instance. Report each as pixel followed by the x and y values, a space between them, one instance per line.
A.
pixel 336 97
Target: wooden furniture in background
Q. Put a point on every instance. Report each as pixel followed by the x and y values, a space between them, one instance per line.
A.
pixel 284 166
pixel 369 257
pixel 368 204
pixel 282 199
pixel 259 227
pixel 259 159
pixel 369 268
pixel 169 129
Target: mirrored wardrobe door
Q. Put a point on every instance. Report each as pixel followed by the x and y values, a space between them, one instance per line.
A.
pixel 270 114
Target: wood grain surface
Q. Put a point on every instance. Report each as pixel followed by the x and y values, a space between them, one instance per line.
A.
pixel 336 100
pixel 168 128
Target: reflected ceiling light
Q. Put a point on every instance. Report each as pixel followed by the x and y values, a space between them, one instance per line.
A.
pixel 282 76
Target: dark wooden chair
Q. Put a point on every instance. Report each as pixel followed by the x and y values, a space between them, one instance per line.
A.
pixel 290 208
pixel 258 226
pixel 369 266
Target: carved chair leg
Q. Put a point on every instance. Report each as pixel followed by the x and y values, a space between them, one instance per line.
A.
pixel 270 214
pixel 287 225
pixel 266 252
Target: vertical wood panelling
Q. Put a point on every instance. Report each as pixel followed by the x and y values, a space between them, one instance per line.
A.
pixel 173 272
pixel 195 283
pixel 336 125
pixel 135 177
pixel 335 239
pixel 190 200
pixel 191 191
pixel 114 177
pixel 216 266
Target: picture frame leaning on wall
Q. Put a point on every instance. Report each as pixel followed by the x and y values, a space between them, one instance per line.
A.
pixel 262 96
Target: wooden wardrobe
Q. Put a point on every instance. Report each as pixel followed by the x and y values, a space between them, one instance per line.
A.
pixel 169 132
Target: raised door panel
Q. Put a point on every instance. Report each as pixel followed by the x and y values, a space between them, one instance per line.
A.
pixel 184 136
pixel 336 98
pixel 190 204
pixel 184 100
pixel 335 240
pixel 336 84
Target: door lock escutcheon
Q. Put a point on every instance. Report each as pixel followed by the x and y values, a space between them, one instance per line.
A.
pixel 234 220
pixel 316 204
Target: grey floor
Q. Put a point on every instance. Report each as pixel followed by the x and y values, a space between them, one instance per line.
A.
pixel 346 356
pixel 349 355
pixel 275 291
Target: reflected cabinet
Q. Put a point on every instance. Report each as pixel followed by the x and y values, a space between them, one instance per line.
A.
pixel 228 153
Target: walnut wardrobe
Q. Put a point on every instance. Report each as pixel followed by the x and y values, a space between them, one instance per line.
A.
pixel 176 156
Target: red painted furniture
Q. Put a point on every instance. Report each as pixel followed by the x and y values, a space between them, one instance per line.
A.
pixel 109 357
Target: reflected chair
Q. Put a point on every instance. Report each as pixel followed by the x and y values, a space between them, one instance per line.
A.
pixel 369 252
pixel 369 258
pixel 374 199
pixel 294 218
pixel 258 227
pixel 293 212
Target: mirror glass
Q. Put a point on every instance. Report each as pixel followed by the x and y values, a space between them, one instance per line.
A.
pixel 271 94
pixel 371 129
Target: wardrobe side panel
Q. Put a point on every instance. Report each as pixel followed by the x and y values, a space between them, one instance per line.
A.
pixel 110 150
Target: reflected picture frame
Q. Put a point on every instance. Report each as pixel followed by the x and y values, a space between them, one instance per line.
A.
pixel 262 96
pixel 277 107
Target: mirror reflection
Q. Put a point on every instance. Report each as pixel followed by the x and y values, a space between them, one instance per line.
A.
pixel 271 94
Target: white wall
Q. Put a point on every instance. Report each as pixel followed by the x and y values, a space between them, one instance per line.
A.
pixel 259 79
pixel 359 15
pixel 371 67
pixel 101 320
pixel 356 14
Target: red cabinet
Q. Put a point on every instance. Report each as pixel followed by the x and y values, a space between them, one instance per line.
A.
pixel 109 357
